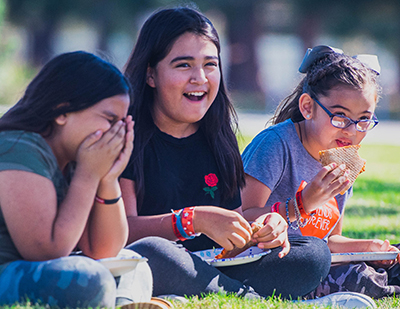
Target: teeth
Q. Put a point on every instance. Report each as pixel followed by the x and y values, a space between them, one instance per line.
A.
pixel 196 94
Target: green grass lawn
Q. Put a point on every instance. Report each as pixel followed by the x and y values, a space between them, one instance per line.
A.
pixel 372 212
pixel 374 209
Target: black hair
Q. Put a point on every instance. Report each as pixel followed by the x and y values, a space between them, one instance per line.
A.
pixel 68 83
pixel 219 124
pixel 331 71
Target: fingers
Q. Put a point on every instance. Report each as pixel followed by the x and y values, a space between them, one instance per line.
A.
pixel 273 234
pixel 330 181
pixel 115 136
pixel 334 175
pixel 129 136
pixel 386 245
pixel 241 233
pixel 92 139
pixel 274 225
pixel 237 240
pixel 285 249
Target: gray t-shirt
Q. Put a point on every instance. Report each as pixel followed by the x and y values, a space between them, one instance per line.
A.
pixel 26 151
pixel 277 158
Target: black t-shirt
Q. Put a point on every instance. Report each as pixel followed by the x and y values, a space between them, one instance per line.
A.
pixel 180 173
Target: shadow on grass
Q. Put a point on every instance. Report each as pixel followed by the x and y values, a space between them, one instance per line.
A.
pixel 363 186
pixel 373 198
pixel 375 234
pixel 371 211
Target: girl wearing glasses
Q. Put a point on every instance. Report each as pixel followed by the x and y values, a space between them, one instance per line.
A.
pixel 333 106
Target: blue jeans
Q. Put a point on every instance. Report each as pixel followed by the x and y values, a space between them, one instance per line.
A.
pixel 177 271
pixel 73 281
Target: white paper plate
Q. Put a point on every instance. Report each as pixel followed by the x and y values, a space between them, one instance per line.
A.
pixel 363 256
pixel 121 265
pixel 250 255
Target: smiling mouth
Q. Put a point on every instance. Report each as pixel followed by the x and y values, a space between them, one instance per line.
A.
pixel 195 96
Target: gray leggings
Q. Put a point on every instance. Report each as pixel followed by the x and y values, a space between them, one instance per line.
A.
pixel 177 271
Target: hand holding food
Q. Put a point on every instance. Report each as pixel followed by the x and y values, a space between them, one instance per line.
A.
pixel 255 227
pixel 226 227
pixel 347 155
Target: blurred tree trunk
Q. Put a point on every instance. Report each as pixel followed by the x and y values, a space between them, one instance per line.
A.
pixel 243 32
pixel 308 30
pixel 41 36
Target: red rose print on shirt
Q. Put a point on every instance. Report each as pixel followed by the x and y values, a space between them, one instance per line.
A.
pixel 211 181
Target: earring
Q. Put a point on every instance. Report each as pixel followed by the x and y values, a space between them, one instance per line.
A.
pixel 308 116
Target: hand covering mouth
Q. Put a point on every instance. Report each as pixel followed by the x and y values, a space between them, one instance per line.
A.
pixel 195 95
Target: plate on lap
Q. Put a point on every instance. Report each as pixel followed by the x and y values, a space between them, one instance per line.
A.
pixel 250 255
pixel 363 256
pixel 121 265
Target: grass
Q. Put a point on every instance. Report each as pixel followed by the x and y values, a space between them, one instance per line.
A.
pixel 220 301
pixel 374 209
pixel 372 212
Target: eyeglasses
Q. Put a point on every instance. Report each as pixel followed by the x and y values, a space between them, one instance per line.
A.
pixel 342 122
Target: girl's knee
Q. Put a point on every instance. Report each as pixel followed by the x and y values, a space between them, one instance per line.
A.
pixel 150 246
pixel 74 281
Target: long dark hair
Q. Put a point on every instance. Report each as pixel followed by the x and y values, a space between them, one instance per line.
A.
pixel 219 124
pixel 324 74
pixel 68 83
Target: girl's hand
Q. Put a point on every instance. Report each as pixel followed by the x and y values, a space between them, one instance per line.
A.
pixel 98 152
pixel 378 245
pixel 122 160
pixel 325 185
pixel 273 234
pixel 226 227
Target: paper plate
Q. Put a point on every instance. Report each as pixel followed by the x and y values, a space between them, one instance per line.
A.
pixel 363 256
pixel 121 265
pixel 250 255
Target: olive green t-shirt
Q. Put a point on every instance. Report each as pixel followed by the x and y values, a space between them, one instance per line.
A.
pixel 26 151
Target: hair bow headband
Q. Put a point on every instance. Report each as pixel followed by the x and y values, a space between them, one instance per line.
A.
pixel 318 52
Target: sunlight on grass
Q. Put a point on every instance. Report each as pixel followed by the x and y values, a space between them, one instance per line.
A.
pixel 383 163
pixel 380 227
pixel 221 301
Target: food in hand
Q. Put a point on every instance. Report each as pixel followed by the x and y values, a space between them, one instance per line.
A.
pixel 347 155
pixel 225 254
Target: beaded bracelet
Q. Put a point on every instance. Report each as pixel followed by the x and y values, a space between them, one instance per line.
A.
pixel 291 225
pixel 301 222
pixel 299 201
